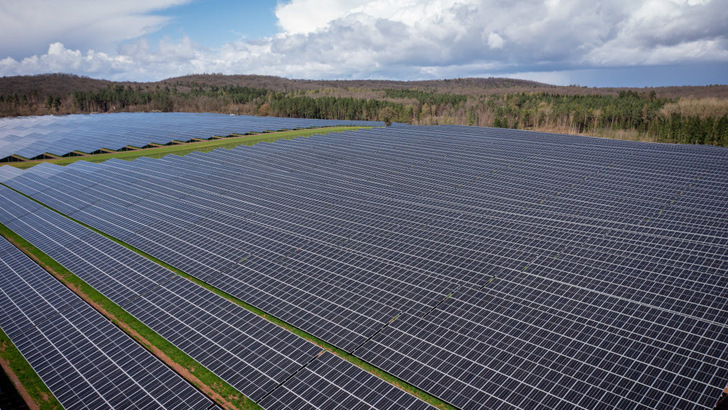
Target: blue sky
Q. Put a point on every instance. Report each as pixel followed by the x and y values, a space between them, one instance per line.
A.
pixel 212 23
pixel 585 42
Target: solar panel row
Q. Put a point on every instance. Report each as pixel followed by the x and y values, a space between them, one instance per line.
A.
pixel 524 268
pixel 32 136
pixel 331 383
pixel 84 360
pixel 250 353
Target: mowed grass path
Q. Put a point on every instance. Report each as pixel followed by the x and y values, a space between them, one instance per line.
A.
pixel 186 148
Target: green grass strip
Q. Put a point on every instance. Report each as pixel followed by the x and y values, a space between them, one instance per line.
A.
pixel 390 378
pixel 184 149
pixel 122 319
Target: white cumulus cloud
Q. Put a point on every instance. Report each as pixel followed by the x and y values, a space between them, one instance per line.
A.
pixel 495 41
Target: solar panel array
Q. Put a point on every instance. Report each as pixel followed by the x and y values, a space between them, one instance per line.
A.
pixel 33 136
pixel 247 351
pixel 218 244
pixel 491 268
pixel 84 360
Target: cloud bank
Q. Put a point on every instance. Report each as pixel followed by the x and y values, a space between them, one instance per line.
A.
pixel 29 26
pixel 410 39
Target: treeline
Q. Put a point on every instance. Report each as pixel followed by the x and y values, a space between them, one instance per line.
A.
pixel 165 99
pixel 628 114
pixel 424 97
pixel 634 114
pixel 629 110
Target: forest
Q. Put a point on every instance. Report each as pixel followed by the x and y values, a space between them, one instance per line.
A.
pixel 659 115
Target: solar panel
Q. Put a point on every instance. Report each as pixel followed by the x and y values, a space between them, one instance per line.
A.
pixel 84 360
pixel 33 136
pixel 331 383
pixel 506 257
pixel 8 172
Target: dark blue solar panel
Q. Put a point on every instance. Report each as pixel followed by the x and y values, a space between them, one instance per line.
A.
pixel 331 383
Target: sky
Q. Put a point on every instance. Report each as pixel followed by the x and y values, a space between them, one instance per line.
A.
pixel 630 43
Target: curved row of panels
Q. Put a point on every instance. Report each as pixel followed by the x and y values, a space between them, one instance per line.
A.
pixel 30 137
pixel 490 268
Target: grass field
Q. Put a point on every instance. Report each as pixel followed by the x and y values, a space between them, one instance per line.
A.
pixel 186 148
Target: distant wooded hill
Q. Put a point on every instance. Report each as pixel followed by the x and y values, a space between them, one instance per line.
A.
pixel 665 114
